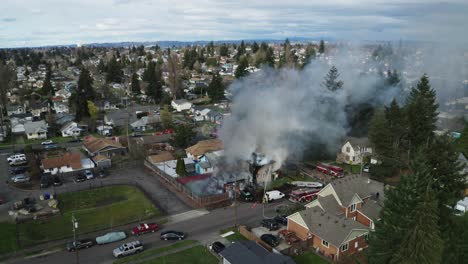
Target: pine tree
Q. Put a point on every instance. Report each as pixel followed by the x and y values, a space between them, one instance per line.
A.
pixel 397 127
pixel 421 114
pixel 322 47
pixel 331 81
pixel 224 50
pixel 180 167
pixel 166 117
pixel 47 88
pixel 85 84
pixel 241 70
pixel 216 88
pixel 101 66
pixel 114 71
pixel 422 241
pixel 381 138
pixel 255 47
pixel 183 136
pixel 135 84
pixel 309 55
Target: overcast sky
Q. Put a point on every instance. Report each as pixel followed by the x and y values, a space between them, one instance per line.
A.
pixel 51 22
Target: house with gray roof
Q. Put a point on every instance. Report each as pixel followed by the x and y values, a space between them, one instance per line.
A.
pixel 339 220
pixel 36 130
pixel 353 150
pixel 249 252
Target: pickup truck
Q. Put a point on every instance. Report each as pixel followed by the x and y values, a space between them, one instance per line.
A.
pixel 128 249
pixel 144 228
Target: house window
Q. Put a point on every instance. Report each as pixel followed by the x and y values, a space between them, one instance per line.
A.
pixel 354 158
pixel 348 149
pixel 356 244
pixel 325 243
pixel 366 237
pixel 344 247
pixel 353 207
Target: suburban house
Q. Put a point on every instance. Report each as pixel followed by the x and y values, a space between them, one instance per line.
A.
pixel 15 110
pixel 105 147
pixel 167 163
pixel 201 115
pixel 69 162
pixel 106 105
pixel 144 123
pixel 60 107
pixel 102 162
pixel 205 164
pixel 63 118
pixel 17 122
pixel 338 221
pixel 353 150
pixel 181 105
pixel 38 108
pixel 249 252
pixel 71 129
pixel 215 117
pixel 36 130
pixel 204 146
pixel 104 130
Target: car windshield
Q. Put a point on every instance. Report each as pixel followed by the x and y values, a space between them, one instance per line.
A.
pixel 121 248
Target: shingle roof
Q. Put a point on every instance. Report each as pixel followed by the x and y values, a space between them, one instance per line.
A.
pixel 332 228
pixel 361 142
pixel 68 159
pixel 99 158
pixel 371 209
pixel 330 204
pixel 249 252
pixel 94 144
pixel 205 146
pixel 161 157
pixel 35 127
pixel 346 187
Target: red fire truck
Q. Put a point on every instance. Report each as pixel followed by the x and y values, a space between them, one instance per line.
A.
pixel 303 195
pixel 330 170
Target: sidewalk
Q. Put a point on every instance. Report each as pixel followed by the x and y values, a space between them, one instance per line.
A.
pixel 165 253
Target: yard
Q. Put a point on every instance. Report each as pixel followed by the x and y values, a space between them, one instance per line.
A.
pixel 155 251
pixel 195 255
pixel 94 209
pixel 309 257
pixel 8 238
pixel 234 237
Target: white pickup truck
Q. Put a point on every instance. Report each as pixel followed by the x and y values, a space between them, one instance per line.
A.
pixel 128 249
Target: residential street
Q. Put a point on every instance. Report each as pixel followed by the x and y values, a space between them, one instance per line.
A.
pixel 204 228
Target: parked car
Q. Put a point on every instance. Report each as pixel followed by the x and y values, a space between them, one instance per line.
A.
pixel 18 162
pixel 270 240
pixel 281 220
pixel 270 224
pixel 145 228
pixel 15 157
pixel 273 195
pixel 103 173
pixel 50 146
pixel 246 195
pixel 75 140
pixel 89 175
pixel 366 168
pixel 110 237
pixel 80 178
pixel 128 249
pixel 47 142
pixel 20 178
pixel 217 247
pixel 18 170
pixel 80 244
pixel 172 235
pixel 46 181
pixel 57 181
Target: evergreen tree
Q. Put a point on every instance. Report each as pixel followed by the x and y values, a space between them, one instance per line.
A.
pixel 135 83
pixel 47 88
pixel 166 117
pixel 241 70
pixel 255 47
pixel 85 84
pixel 322 47
pixel 216 88
pixel 210 48
pixel 270 57
pixel 331 81
pixel 309 55
pixel 114 71
pixel 180 167
pixel 422 242
pixel 421 114
pixel 397 127
pixel 462 143
pixel 101 66
pixel 381 138
pixel 240 51
pixel 224 50
pixel 183 135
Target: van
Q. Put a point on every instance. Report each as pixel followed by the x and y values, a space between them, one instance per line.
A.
pixel 272 196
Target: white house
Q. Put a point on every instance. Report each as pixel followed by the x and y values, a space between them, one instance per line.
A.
pixel 60 108
pixel 353 150
pixel 36 130
pixel 66 163
pixel 104 130
pixel 70 129
pixel 15 110
pixel 181 105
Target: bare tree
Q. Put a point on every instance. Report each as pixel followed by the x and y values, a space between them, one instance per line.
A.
pixel 174 75
pixel 6 80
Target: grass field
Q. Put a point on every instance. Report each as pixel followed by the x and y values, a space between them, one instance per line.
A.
pixel 194 255
pixel 234 237
pixel 155 251
pixel 309 257
pixel 7 238
pixel 94 209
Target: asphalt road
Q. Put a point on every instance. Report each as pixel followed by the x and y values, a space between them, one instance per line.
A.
pixel 204 229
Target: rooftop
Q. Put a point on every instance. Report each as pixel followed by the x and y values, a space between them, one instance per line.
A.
pixel 72 160
pixel 249 252
pixel 205 146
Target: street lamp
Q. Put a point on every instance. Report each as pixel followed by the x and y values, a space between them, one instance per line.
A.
pixel 75 226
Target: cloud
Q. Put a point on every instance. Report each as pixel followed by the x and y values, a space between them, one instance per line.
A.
pixel 8 19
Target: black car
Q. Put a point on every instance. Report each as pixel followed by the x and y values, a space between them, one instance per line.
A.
pixel 57 181
pixel 270 240
pixel 172 235
pixel 46 181
pixel 80 178
pixel 75 140
pixel 246 195
pixel 217 247
pixel 103 173
pixel 80 244
pixel 281 220
pixel 18 170
pixel 270 224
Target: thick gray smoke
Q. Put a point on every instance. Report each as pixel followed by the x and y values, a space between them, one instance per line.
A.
pixel 281 112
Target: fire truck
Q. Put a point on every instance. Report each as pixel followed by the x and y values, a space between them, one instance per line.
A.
pixel 303 195
pixel 330 170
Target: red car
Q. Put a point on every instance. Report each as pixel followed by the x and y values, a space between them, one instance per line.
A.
pixel 145 228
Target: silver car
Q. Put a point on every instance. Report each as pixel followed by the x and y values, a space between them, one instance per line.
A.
pixel 20 178
pixel 128 249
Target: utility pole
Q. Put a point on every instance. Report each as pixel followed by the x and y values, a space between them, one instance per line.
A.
pixel 75 226
pixel 235 201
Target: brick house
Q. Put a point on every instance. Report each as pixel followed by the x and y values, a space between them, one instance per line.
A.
pixel 339 220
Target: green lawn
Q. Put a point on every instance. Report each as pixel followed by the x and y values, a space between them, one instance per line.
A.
pixel 194 255
pixel 309 258
pixel 155 251
pixel 234 237
pixel 278 183
pixel 94 209
pixel 7 238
